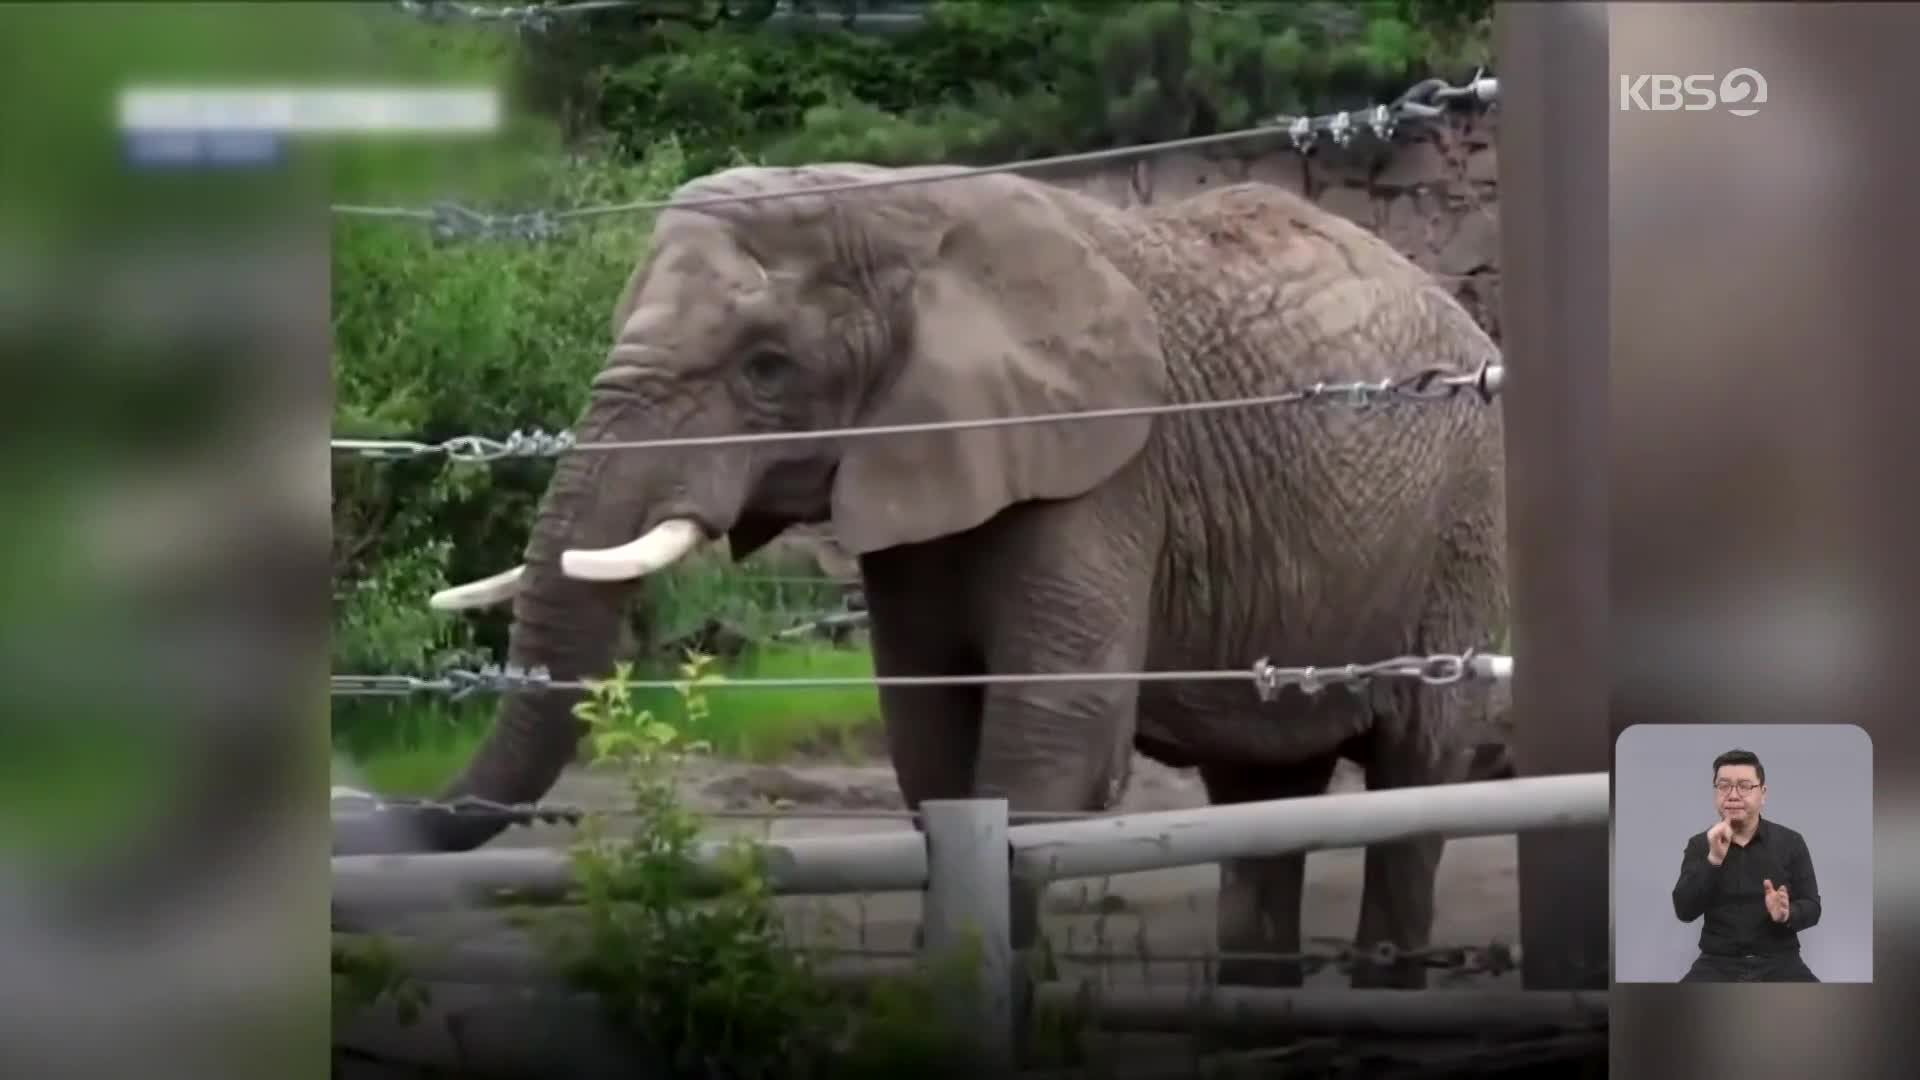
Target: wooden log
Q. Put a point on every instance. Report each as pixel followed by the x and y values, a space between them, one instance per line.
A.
pixel 515 960
pixel 367 888
pixel 1389 1013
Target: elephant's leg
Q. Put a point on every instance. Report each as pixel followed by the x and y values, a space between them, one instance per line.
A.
pixel 1426 735
pixel 933 732
pixel 1397 897
pixel 1260 899
pixel 1062 746
pixel 1064 589
pixel 932 736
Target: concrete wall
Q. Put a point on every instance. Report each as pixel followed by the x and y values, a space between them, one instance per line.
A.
pixel 1432 194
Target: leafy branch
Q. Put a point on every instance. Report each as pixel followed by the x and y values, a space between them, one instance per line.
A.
pixel 686 947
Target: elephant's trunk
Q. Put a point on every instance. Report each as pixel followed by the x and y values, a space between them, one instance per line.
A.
pixel 566 623
pixel 606 519
pixel 567 626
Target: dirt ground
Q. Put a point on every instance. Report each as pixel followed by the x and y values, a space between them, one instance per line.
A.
pixel 1160 913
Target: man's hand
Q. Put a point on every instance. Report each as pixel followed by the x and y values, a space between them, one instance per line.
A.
pixel 1718 838
pixel 1777 903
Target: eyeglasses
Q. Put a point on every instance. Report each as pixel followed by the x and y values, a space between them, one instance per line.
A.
pixel 1744 787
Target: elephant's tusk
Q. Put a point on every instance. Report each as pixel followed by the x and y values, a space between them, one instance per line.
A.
pixel 474 594
pixel 660 548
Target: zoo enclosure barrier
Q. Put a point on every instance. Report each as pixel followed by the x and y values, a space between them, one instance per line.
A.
pixel 980 874
pixel 983 882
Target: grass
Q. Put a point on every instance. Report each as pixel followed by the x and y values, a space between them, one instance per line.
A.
pixel 428 741
pixel 766 725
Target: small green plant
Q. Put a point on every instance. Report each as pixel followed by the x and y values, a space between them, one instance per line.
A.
pixel 684 944
pixel 366 971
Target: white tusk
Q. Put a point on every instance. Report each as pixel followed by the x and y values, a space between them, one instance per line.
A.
pixel 660 548
pixel 496 589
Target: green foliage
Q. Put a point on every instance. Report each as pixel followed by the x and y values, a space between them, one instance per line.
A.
pixel 772 724
pixel 983 79
pixel 366 972
pixel 689 953
pixel 683 945
pixel 437 340
pixel 433 341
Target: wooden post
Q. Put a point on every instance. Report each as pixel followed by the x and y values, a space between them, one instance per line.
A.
pixel 967 917
pixel 1555 105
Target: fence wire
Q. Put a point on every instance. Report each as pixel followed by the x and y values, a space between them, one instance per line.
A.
pixel 1426 100
pixel 353 801
pixel 1438 669
pixel 536 18
pixel 1321 954
pixel 1428 385
pixel 1345 957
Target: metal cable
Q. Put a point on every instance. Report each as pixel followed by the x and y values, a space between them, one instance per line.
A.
pixel 1427 385
pixel 536 17
pixel 1425 100
pixel 1439 669
pixel 545 813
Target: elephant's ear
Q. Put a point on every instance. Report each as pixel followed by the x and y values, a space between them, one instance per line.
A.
pixel 1012 310
pixel 629 296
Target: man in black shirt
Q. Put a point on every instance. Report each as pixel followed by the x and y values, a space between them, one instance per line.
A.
pixel 1752 879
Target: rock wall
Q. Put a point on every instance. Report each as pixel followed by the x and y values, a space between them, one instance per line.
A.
pixel 1432 194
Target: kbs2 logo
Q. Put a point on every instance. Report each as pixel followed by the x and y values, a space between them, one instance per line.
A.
pixel 1741 91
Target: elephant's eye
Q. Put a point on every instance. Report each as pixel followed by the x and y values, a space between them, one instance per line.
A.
pixel 767 365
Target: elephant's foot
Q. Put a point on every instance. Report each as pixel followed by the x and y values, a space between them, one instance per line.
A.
pixel 1397 893
pixel 1259 921
pixel 1259 901
pixel 1396 907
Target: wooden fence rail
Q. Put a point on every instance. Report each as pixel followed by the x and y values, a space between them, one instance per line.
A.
pixel 1096 847
pixel 979 876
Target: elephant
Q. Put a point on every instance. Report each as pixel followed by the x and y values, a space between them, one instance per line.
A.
pixel 808 298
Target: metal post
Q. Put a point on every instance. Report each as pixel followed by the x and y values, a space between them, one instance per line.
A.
pixel 1163 839
pixel 966 918
pixel 1554 281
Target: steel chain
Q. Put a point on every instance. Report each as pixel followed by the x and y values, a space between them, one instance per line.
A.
pixel 448 222
pixel 466 806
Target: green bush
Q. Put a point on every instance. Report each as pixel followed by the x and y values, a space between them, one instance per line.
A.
pixel 691 958
pixel 433 341
pixel 984 79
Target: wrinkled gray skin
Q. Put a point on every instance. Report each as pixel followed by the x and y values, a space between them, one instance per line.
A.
pixel 1315 535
